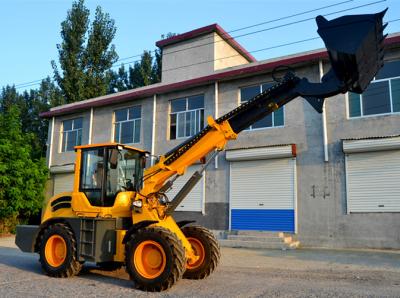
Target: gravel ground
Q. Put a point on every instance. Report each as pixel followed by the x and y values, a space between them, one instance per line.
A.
pixel 242 273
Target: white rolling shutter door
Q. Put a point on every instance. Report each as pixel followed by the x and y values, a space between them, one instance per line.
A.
pixel 373 181
pixel 194 201
pixel 63 183
pixel 263 184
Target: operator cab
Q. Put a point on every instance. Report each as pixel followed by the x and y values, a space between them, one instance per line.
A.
pixel 108 169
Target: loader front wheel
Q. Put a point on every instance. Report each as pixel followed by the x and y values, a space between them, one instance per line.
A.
pixel 58 251
pixel 206 247
pixel 155 259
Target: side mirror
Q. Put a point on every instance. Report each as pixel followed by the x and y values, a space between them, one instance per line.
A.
pixel 113 158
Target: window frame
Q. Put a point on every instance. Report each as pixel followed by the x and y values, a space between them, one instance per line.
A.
pixel 63 147
pixel 250 128
pixel 115 122
pixel 361 101
pixel 197 116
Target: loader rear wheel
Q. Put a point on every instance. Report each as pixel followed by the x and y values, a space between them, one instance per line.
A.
pixel 155 259
pixel 58 251
pixel 206 247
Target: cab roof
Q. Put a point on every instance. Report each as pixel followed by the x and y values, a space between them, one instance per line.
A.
pixel 110 145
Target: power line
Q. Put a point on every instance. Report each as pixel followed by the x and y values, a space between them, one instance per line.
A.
pixel 241 35
pixel 259 50
pixel 266 22
pixel 262 30
pixel 276 27
pixel 291 16
pixel 22 85
pixel 258 31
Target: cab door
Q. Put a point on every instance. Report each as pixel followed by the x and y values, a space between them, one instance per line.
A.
pixel 87 197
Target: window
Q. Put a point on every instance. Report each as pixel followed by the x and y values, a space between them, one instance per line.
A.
pixel 273 120
pixel 127 125
pixel 71 134
pixel 187 116
pixel 382 96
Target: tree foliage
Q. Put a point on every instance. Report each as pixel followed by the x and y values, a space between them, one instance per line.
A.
pixel 144 72
pixel 30 104
pixel 22 178
pixel 85 53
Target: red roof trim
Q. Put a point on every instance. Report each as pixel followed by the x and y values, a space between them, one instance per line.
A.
pixel 392 40
pixel 249 69
pixel 204 30
pixel 185 84
pixel 186 35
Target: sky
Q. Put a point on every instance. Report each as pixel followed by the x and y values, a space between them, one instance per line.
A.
pixel 30 29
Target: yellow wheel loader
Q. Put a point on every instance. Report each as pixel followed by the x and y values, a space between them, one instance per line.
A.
pixel 118 214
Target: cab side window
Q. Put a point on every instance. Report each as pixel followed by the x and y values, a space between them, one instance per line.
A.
pixel 92 175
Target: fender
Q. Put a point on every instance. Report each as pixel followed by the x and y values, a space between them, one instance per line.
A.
pixel 133 229
pixel 183 223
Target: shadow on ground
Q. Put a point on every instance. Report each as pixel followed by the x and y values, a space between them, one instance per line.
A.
pixel 12 257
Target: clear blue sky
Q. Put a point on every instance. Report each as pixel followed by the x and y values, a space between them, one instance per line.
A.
pixel 30 29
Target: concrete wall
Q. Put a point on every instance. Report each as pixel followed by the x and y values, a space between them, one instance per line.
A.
pixel 325 222
pixel 103 128
pixel 224 55
pixel 197 52
pixel 198 57
pixel 60 158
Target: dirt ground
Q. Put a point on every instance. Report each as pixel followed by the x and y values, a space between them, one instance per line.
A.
pixel 242 273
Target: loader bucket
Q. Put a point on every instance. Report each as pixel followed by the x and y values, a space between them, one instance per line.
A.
pixel 355 47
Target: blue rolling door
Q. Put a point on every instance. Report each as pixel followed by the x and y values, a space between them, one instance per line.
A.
pixel 262 195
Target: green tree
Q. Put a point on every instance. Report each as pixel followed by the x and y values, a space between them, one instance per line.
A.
pixel 157 67
pixel 85 54
pixel 135 76
pixel 143 72
pixel 146 66
pixel 22 178
pixel 119 81
pixel 10 97
pixel 30 104
pixel 99 55
pixel 38 101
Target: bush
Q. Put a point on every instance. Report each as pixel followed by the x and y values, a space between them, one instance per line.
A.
pixel 22 178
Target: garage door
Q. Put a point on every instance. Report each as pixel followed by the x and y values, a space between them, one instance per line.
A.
pixel 373 181
pixel 262 194
pixel 194 201
pixel 63 183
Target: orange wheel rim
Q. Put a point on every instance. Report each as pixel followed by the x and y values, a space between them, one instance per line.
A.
pixel 149 259
pixel 199 251
pixel 55 250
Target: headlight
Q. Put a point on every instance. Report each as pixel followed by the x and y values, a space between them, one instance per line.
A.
pixel 137 204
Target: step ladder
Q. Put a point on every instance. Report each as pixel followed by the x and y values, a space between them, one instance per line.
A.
pixel 88 239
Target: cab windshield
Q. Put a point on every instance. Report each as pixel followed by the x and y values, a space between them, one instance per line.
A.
pixel 124 170
pixel 105 172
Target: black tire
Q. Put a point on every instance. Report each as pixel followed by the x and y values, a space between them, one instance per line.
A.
pixel 211 252
pixel 175 260
pixel 110 266
pixel 70 266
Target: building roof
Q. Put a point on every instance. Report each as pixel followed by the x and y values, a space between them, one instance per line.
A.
pixel 205 30
pixel 220 75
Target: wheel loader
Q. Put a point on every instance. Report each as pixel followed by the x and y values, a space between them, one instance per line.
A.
pixel 118 213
